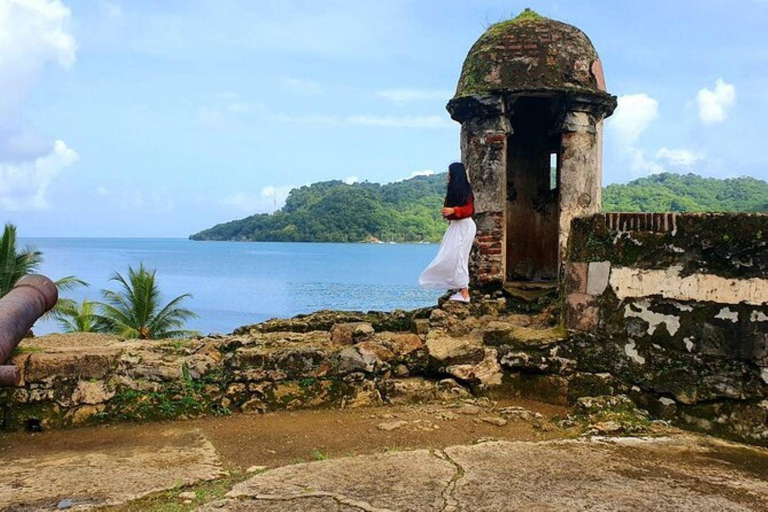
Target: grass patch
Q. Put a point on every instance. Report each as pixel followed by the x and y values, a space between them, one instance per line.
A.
pixel 318 454
pixel 169 501
pixel 26 349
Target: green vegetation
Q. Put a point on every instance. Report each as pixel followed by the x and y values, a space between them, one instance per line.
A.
pixel 669 192
pixel 74 317
pixel 408 211
pixel 16 263
pixel 528 14
pixel 135 311
pixel 332 211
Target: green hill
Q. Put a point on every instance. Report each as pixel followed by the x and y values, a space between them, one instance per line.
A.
pixel 670 192
pixel 408 211
pixel 332 211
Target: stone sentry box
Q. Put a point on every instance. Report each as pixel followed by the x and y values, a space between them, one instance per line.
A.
pixel 531 99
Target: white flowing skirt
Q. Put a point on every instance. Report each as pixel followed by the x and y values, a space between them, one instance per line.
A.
pixel 450 268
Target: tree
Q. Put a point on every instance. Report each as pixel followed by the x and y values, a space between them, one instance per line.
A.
pixel 16 263
pixel 74 317
pixel 135 311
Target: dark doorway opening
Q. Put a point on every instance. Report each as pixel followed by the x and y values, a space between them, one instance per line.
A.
pixel 532 208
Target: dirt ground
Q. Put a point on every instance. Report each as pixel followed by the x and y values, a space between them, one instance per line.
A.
pixel 280 438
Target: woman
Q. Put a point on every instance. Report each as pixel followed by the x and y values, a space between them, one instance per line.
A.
pixel 449 270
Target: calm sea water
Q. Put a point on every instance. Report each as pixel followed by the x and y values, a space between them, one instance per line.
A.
pixel 238 283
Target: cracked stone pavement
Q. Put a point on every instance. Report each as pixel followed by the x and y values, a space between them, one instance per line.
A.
pixel 681 473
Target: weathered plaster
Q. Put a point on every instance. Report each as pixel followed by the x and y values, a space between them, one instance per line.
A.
pixel 669 283
pixel 631 350
pixel 727 314
pixel 654 319
pixel 597 279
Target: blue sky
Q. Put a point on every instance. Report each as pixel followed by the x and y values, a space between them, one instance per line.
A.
pixel 146 118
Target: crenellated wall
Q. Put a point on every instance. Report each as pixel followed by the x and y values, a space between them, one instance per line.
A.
pixel 675 307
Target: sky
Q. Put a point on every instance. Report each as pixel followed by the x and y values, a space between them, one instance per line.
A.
pixel 142 118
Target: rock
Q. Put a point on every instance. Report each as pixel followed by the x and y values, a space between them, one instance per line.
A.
pixel 188 495
pixel 420 326
pixel 438 318
pixel 469 409
pixel 351 333
pixel 486 373
pixel 451 351
pixel 256 469
pixel 494 420
pixel 377 350
pixel 65 504
pixel 351 360
pixel 446 416
pixel 458 309
pixel 83 414
pixel 404 344
pixel 520 413
pixel 391 425
pixel 401 371
pixel 91 393
pixel 605 428
pixel 518 337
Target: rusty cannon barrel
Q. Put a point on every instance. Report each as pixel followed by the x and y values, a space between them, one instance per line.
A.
pixel 30 298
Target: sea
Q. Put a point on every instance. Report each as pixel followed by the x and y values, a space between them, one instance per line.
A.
pixel 240 283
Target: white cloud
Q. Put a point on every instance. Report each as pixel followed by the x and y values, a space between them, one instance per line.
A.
pixel 678 157
pixel 714 104
pixel 351 180
pixel 33 33
pixel 633 115
pixel 406 95
pixel 23 185
pixel 270 199
pixel 102 191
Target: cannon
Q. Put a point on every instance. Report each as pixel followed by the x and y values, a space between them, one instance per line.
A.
pixel 30 298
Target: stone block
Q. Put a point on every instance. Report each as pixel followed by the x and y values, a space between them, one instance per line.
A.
pixel 597 277
pixel 581 312
pixel 576 277
pixel 351 333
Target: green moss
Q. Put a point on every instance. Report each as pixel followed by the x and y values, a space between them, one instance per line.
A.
pixel 26 349
pixel 528 14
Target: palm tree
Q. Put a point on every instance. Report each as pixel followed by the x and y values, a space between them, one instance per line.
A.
pixel 74 317
pixel 16 263
pixel 135 311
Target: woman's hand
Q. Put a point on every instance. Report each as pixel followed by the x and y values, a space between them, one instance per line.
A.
pixel 446 211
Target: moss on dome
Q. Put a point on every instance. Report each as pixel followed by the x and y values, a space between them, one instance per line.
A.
pixel 530 53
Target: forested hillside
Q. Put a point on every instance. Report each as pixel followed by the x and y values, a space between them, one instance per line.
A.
pixel 409 211
pixel 670 192
pixel 332 211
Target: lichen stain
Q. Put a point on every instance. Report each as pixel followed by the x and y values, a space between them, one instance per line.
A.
pixel 727 314
pixel 632 353
pixel 654 319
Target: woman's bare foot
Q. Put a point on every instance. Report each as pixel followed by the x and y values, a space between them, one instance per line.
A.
pixel 465 293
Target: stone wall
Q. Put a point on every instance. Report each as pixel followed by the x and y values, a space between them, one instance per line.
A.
pixel 673 308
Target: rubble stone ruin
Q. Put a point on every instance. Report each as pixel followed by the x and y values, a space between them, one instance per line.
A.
pixel 531 100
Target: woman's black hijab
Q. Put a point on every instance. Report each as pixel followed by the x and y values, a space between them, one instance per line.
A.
pixel 459 189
